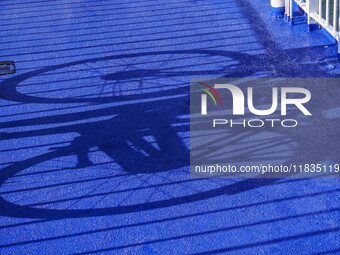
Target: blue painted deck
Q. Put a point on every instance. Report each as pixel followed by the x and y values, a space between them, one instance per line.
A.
pixel 94 130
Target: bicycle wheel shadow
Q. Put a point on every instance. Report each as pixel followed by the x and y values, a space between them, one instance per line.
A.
pixel 141 138
pixel 122 138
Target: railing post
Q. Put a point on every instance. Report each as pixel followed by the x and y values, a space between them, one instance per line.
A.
pixel 286 10
pixel 308 11
pixel 335 12
pixel 277 7
pixel 327 12
pixel 291 9
pixel 320 9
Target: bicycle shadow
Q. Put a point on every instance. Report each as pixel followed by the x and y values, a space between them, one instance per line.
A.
pixel 123 137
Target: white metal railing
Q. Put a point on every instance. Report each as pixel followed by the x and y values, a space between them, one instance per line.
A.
pixel 324 12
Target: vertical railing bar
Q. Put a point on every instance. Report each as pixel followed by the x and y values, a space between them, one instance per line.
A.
pixel 327 12
pixel 320 9
pixel 287 7
pixel 291 8
pixel 308 11
pixel 338 24
pixel 335 13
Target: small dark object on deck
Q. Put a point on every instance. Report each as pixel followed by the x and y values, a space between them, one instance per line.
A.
pixel 7 67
